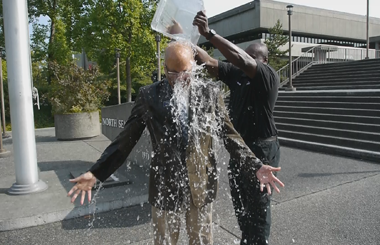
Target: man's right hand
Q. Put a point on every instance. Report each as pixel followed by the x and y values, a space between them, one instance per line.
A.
pixel 84 183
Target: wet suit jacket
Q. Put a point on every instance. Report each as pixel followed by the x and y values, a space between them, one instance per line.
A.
pixel 176 172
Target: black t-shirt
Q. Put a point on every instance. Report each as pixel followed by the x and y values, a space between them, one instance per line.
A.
pixel 252 101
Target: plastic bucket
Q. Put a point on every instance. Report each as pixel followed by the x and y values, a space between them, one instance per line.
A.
pixel 182 12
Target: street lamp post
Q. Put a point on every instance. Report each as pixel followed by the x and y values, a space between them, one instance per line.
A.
pixel 290 12
pixel 2 95
pixel 158 40
pixel 367 56
pixel 118 75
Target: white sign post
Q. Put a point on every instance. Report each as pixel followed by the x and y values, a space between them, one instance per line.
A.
pixel 17 47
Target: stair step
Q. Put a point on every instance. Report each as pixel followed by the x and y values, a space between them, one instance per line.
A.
pixel 336 82
pixel 344 75
pixel 351 63
pixel 327 131
pixel 331 149
pixel 349 69
pixel 361 127
pixel 328 117
pixel 333 140
pixel 342 87
pixel 331 111
pixel 328 104
pixel 358 92
pixel 351 99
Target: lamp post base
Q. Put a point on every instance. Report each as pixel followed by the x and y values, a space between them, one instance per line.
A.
pixel 290 89
pixel 27 189
pixel 4 153
pixel 5 136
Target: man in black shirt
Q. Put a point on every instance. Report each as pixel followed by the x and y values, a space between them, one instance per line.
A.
pixel 254 89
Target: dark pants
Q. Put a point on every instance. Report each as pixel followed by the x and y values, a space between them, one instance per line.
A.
pixel 252 207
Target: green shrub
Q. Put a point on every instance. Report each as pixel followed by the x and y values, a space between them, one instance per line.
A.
pixel 75 90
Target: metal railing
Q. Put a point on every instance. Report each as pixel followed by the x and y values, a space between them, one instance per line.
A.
pixel 323 54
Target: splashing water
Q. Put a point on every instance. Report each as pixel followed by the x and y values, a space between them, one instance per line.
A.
pixel 199 96
pixel 92 209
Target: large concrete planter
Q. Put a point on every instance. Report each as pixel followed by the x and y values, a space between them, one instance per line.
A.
pixel 77 126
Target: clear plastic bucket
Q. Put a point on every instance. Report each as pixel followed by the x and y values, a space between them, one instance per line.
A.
pixel 181 12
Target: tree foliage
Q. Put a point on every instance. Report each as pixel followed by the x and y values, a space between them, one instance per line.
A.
pixel 274 42
pixel 97 27
pixel 124 24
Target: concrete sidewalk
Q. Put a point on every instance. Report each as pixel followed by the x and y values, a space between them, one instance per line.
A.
pixel 326 200
pixel 56 161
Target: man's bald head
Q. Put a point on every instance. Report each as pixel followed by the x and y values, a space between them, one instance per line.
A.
pixel 179 56
pixel 179 60
pixel 258 51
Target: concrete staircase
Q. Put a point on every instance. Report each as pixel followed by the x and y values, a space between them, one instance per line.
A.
pixel 336 110
pixel 364 74
pixel 337 122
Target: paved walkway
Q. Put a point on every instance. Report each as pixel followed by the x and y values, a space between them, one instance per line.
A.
pixel 327 200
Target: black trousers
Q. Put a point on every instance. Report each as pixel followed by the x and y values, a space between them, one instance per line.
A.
pixel 252 207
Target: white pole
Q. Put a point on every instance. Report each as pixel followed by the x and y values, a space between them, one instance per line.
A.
pixel 17 46
pixel 367 31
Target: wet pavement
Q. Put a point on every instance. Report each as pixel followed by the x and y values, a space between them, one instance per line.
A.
pixel 326 200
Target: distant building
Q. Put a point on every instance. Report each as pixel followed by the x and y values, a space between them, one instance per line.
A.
pixel 375 42
pixel 310 27
pixel 82 61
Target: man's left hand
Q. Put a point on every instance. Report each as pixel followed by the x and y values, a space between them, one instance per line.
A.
pixel 175 28
pixel 201 21
pixel 266 178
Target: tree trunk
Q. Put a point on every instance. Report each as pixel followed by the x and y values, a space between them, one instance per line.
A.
pixel 51 40
pixel 129 79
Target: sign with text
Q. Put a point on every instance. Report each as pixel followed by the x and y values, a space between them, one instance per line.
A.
pixel 114 119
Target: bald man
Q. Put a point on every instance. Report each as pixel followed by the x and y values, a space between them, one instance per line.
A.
pixel 254 90
pixel 183 175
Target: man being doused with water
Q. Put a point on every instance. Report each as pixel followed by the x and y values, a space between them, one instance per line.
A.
pixel 186 117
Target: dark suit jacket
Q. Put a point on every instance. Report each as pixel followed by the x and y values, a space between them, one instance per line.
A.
pixel 177 174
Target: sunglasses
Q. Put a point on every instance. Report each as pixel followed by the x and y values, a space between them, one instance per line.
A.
pixel 176 75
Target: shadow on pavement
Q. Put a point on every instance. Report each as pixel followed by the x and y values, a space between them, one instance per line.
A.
pixel 126 217
pixel 311 175
pixel 64 165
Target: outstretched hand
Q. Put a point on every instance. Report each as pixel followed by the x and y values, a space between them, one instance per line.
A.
pixel 84 183
pixel 267 179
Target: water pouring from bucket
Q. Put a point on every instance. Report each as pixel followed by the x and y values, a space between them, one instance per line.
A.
pixel 174 19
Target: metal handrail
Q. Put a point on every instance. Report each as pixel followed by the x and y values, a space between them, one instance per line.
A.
pixel 303 62
pixel 322 54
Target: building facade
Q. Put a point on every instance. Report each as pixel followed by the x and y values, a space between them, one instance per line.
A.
pixel 310 27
